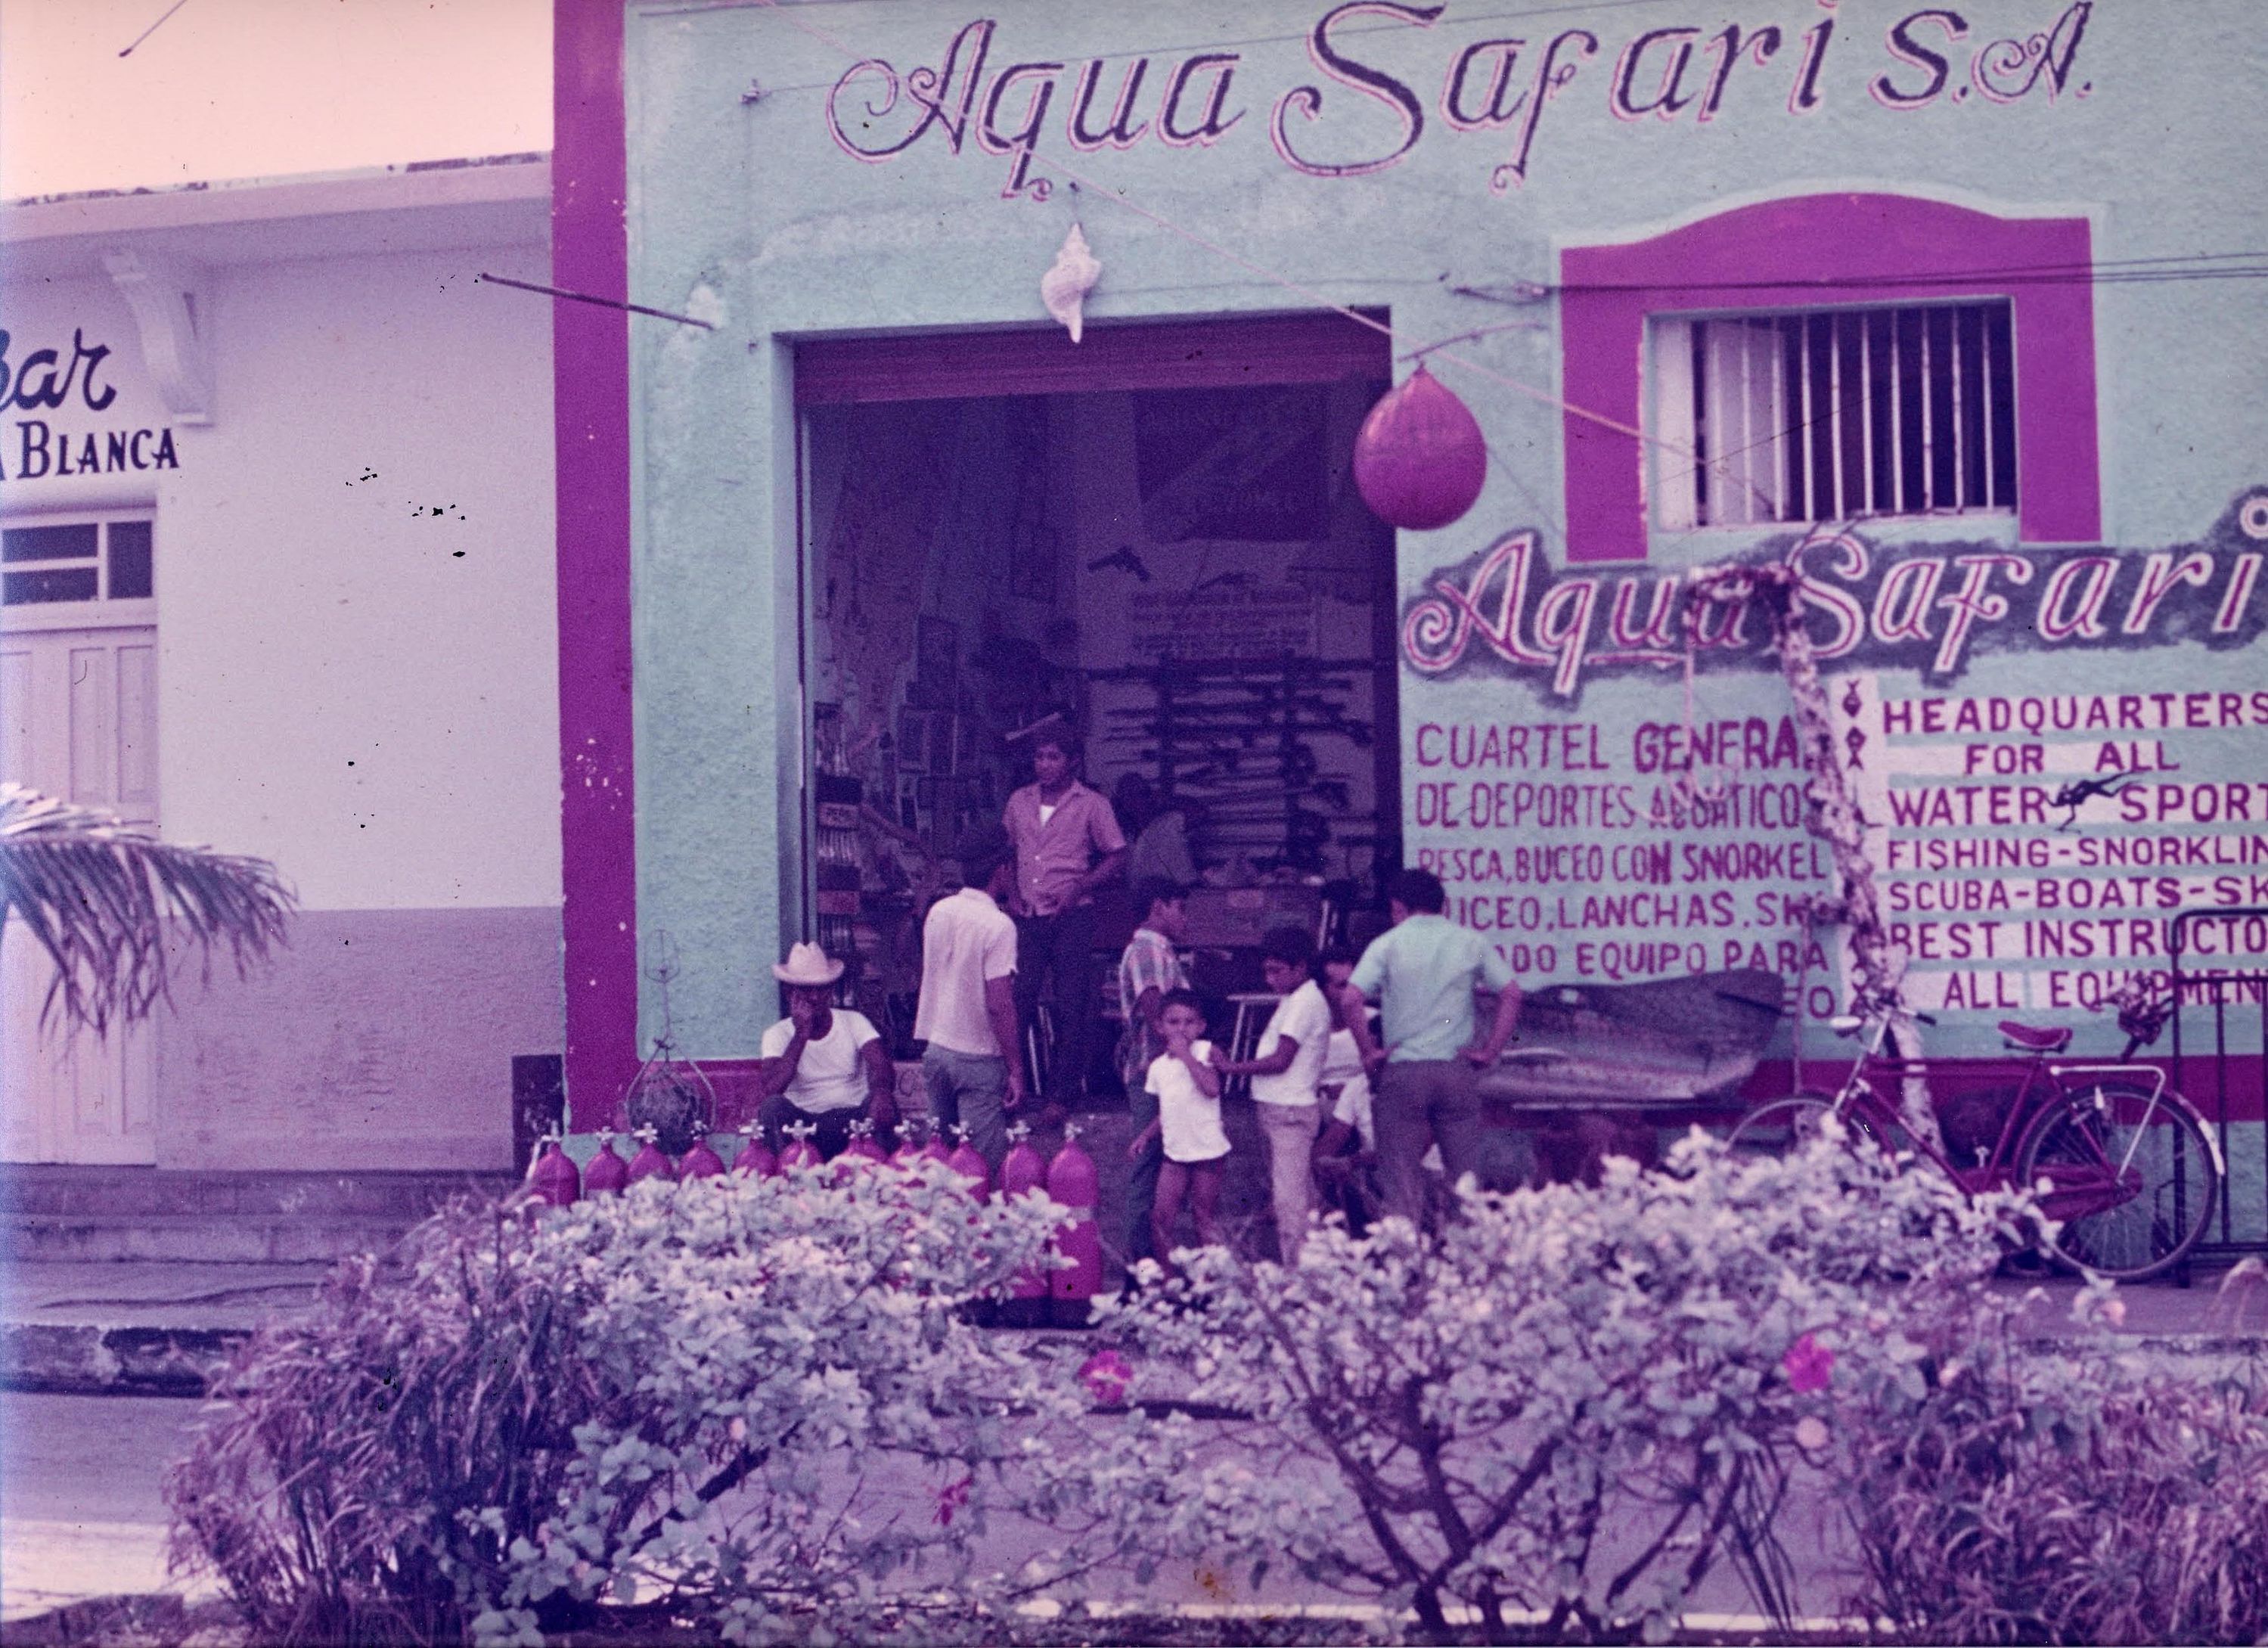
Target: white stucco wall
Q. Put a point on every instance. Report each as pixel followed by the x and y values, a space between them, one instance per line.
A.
pixel 355 687
pixel 357 665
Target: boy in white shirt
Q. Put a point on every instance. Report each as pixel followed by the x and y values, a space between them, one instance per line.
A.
pixel 1286 1071
pixel 1187 1086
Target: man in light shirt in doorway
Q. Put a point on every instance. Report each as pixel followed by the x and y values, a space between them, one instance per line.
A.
pixel 974 1066
pixel 1423 972
pixel 1067 845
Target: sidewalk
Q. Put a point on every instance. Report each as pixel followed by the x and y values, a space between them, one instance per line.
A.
pixel 2202 1318
pixel 153 1329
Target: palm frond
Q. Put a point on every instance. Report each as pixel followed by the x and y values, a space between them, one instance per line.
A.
pixel 110 902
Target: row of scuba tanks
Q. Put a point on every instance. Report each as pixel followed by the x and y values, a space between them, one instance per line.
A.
pixel 1068 1180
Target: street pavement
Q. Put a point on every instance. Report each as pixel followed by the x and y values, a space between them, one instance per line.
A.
pixel 82 1513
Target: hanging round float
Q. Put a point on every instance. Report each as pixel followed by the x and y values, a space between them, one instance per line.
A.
pixel 1419 461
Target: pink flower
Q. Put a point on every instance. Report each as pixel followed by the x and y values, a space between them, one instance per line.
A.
pixel 1810 1366
pixel 1106 1375
pixel 951 1497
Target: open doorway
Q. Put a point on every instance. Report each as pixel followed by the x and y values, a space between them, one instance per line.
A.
pixel 1155 533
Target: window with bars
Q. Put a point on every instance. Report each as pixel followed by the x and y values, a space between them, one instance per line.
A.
pixel 1834 415
pixel 76 561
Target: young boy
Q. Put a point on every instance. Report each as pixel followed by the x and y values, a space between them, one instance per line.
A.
pixel 1188 1089
pixel 1149 971
pixel 1286 1072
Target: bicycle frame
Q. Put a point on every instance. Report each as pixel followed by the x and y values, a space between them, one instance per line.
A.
pixel 2120 1167
pixel 1859 1095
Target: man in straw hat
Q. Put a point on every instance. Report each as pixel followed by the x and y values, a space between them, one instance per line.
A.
pixel 974 1066
pixel 822 1064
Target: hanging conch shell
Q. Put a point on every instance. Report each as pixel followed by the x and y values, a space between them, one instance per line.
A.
pixel 1065 287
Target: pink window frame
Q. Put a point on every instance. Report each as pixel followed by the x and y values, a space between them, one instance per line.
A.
pixel 1781 254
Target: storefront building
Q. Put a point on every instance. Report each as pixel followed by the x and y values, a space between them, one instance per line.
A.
pixel 1949 302
pixel 276 489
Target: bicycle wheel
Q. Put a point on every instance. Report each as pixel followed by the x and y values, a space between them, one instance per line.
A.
pixel 2132 1179
pixel 1781 1127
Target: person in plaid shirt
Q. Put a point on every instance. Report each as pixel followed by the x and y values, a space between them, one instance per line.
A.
pixel 1150 970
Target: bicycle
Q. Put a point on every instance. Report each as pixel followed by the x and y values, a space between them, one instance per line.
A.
pixel 2123 1166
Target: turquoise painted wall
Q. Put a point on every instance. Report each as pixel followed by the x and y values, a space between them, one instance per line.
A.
pixel 745 210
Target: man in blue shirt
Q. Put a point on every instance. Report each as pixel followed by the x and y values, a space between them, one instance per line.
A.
pixel 1423 971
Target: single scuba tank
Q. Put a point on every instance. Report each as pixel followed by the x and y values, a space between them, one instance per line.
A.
pixel 553 1176
pixel 650 1163
pixel 862 1150
pixel 607 1173
pixel 1074 1186
pixel 1022 1170
pixel 799 1151
pixel 969 1163
pixel 756 1156
pixel 701 1161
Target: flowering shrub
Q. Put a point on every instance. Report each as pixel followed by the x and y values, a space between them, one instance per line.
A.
pixel 2020 1498
pixel 743 1405
pixel 1567 1408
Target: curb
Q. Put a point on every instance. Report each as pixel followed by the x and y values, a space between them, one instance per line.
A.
pixel 94 1360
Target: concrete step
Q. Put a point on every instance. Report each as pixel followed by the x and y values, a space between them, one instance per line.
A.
pixel 267 1238
pixel 141 1192
pixel 54 1212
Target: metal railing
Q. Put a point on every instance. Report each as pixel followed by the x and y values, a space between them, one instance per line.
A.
pixel 2229 978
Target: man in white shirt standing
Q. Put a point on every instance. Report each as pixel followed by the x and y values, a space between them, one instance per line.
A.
pixel 1286 1071
pixel 822 1064
pixel 967 1014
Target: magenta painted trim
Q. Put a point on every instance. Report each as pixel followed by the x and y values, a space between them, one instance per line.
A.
pixel 1895 248
pixel 590 253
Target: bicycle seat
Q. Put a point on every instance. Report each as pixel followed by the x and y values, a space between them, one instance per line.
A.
pixel 2036 1041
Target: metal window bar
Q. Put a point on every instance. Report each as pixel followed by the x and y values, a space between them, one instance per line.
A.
pixel 1798 494
pixel 1999 324
pixel 1953 386
pixel 1987 490
pixel 1820 415
pixel 1910 420
pixel 2225 984
pixel 1851 409
pixel 1819 430
pixel 1881 347
pixel 1971 388
pixel 1926 389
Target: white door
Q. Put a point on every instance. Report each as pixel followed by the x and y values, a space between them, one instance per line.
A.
pixel 78 720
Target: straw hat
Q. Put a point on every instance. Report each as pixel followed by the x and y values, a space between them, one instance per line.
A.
pixel 808 964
